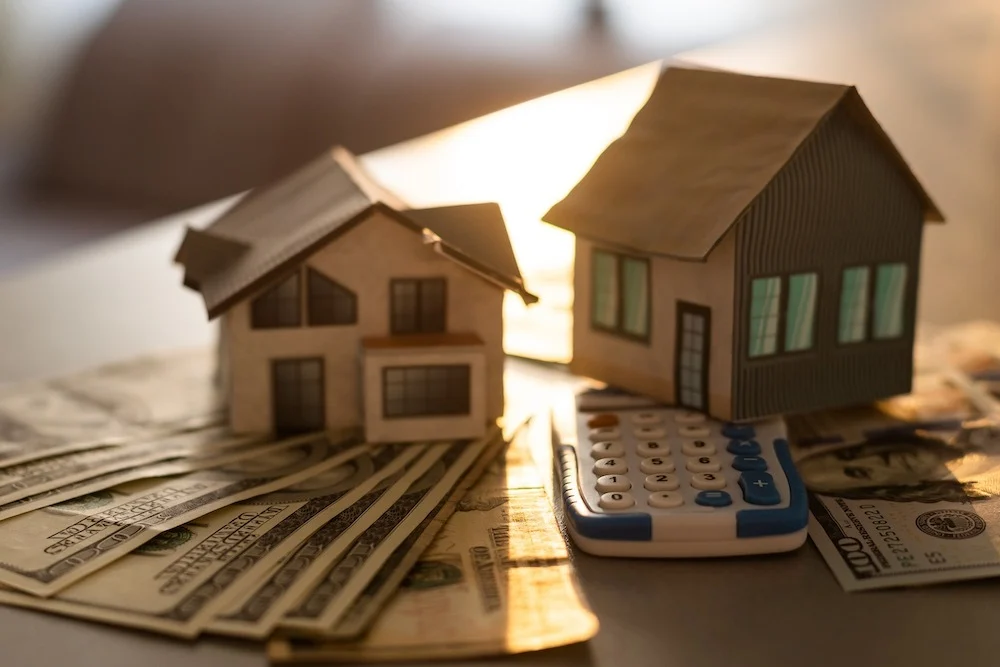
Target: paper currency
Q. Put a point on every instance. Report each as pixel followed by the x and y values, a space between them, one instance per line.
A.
pixel 140 398
pixel 173 583
pixel 44 551
pixel 340 585
pixel 496 580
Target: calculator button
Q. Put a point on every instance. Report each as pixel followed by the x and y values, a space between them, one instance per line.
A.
pixel 661 483
pixel 713 498
pixel 738 431
pixel 743 447
pixel 708 481
pixel 617 500
pixel 749 463
pixel 703 464
pixel 665 499
pixel 602 420
pixel 607 449
pixel 653 448
pixel 692 431
pixel 649 432
pixel 689 417
pixel 607 483
pixel 698 448
pixel 610 467
pixel 759 489
pixel 646 418
pixel 656 465
pixel 608 433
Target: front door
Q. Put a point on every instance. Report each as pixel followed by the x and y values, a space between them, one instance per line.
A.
pixel 297 391
pixel 691 355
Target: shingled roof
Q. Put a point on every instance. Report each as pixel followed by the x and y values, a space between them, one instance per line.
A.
pixel 275 227
pixel 698 154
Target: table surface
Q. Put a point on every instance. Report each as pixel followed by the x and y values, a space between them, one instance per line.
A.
pixel 122 297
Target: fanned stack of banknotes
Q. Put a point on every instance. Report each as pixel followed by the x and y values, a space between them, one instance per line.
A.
pixel 124 500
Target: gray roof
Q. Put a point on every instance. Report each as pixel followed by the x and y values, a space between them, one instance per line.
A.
pixel 698 154
pixel 274 228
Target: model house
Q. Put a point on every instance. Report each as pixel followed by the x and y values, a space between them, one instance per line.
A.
pixel 338 307
pixel 750 246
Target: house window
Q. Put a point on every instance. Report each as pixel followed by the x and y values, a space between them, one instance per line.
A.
pixel 278 306
pixel 890 290
pixel 329 302
pixel 764 304
pixel 421 391
pixel 417 305
pixel 853 305
pixel 800 312
pixel 620 294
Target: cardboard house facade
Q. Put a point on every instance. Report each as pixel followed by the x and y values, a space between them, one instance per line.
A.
pixel 750 246
pixel 341 307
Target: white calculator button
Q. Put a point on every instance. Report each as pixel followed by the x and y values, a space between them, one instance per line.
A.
pixel 692 431
pixel 666 499
pixel 600 434
pixel 607 483
pixel 614 466
pixel 649 432
pixel 648 448
pixel 703 464
pixel 689 417
pixel 656 465
pixel 646 418
pixel 661 483
pixel 708 481
pixel 617 500
pixel 698 448
pixel 607 449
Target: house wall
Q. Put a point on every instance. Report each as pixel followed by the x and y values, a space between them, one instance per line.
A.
pixel 648 368
pixel 364 260
pixel 840 201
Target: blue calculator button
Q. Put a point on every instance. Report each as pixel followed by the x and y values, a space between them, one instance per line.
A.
pixel 759 489
pixel 738 431
pixel 749 463
pixel 713 498
pixel 743 447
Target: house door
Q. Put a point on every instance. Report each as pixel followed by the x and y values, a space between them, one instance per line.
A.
pixel 297 391
pixel 691 355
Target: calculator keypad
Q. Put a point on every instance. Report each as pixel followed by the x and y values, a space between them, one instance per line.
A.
pixel 607 449
pixel 608 483
pixel 610 467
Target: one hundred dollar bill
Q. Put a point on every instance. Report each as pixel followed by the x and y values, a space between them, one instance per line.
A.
pixel 44 551
pixel 139 398
pixel 173 583
pixel 342 583
pixel 496 580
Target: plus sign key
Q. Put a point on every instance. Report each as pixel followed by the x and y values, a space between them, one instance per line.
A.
pixel 759 488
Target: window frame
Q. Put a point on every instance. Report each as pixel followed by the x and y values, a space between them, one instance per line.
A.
pixel 873 305
pixel 297 362
pixel 267 291
pixel 618 329
pixel 869 296
pixel 419 281
pixel 465 410
pixel 781 339
pixel 308 273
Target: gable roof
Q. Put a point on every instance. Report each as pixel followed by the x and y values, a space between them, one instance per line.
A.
pixel 697 155
pixel 273 228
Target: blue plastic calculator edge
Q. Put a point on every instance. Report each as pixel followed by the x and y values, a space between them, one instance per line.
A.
pixel 795 517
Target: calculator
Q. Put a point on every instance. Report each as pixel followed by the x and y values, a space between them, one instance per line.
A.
pixel 640 479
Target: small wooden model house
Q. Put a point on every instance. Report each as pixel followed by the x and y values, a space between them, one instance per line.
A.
pixel 749 247
pixel 340 307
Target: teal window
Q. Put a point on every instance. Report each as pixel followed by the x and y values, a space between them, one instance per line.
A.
pixel 620 298
pixel 800 312
pixel 890 290
pixel 764 304
pixel 854 305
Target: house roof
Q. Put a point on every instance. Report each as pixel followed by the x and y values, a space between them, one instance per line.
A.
pixel 276 227
pixel 698 154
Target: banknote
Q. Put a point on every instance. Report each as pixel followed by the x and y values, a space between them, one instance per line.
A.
pixel 44 551
pixel 497 579
pixel 341 583
pixel 112 404
pixel 255 611
pixel 173 583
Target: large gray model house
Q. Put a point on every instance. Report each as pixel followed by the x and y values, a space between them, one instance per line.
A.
pixel 749 247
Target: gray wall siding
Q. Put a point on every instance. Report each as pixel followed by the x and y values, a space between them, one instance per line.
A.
pixel 838 202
